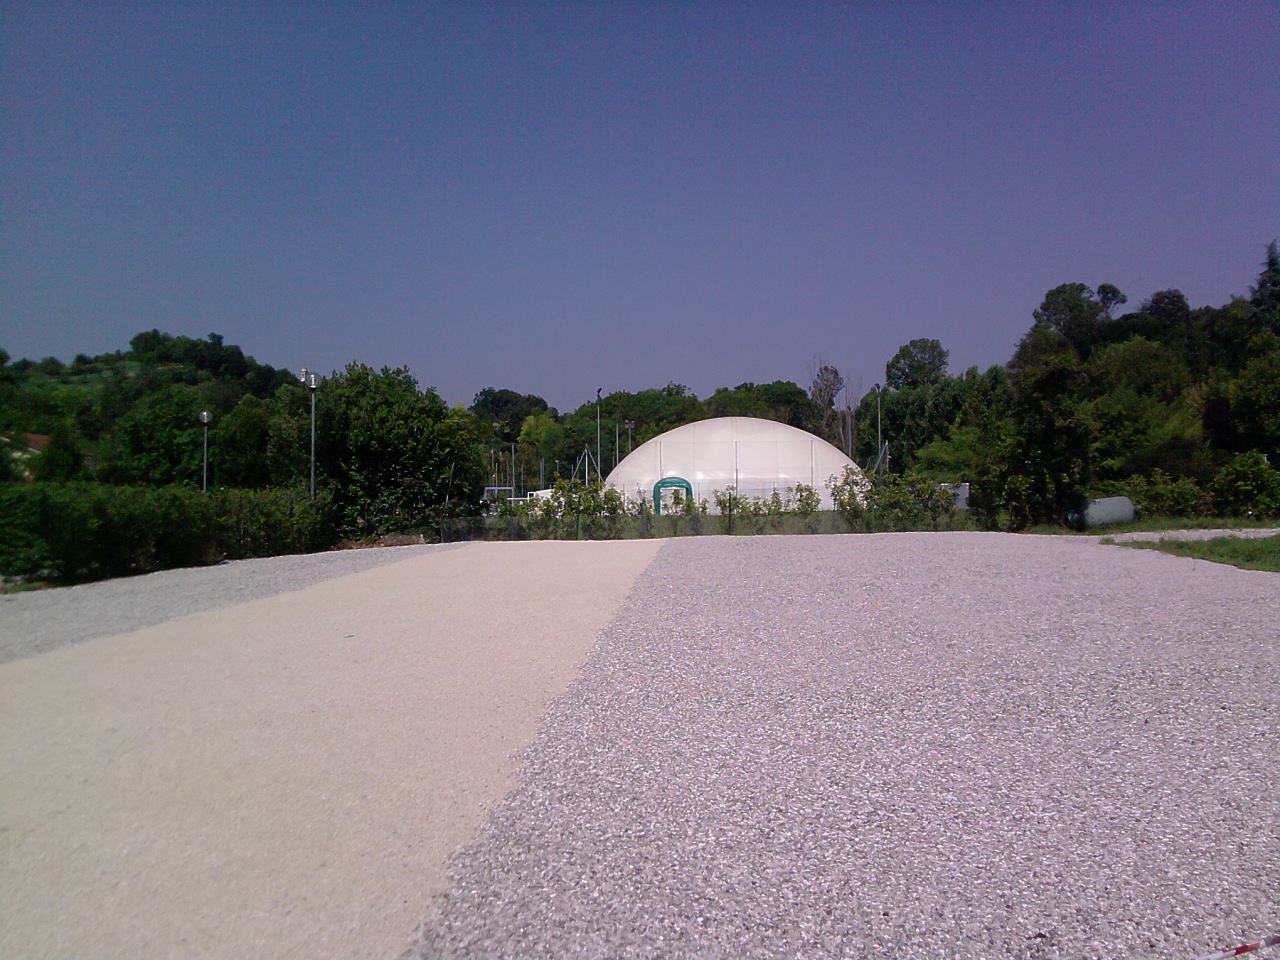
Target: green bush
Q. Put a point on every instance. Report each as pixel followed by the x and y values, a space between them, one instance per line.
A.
pixel 77 532
pixel 906 502
pixel 1160 495
pixel 1247 486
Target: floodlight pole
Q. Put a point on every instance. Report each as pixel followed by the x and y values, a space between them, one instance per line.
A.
pixel 879 442
pixel 309 380
pixel 312 385
pixel 599 390
pixel 205 417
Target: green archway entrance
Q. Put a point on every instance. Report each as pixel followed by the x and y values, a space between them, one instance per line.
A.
pixel 670 483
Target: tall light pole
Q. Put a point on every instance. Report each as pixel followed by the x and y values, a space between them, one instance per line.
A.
pixel 312 384
pixel 879 443
pixel 599 390
pixel 205 417
pixel 309 380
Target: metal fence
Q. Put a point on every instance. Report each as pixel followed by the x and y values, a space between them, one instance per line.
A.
pixel 645 526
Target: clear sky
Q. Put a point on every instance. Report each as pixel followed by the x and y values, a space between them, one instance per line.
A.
pixel 555 197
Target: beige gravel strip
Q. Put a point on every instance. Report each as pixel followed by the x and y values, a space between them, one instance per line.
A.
pixel 286 777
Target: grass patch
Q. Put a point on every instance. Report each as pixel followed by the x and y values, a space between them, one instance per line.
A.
pixel 1260 553
pixel 8 588
pixel 1158 525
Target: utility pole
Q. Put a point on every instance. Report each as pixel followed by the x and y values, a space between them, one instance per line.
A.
pixel 599 390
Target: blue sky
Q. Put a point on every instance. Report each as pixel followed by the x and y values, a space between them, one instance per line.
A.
pixel 554 197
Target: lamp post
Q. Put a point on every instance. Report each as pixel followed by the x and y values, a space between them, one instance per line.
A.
pixel 309 380
pixel 205 417
pixel 599 390
pixel 631 425
pixel 879 443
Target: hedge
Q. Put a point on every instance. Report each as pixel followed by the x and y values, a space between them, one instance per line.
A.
pixel 77 532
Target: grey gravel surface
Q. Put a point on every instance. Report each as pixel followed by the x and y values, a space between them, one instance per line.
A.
pixel 898 746
pixel 38 621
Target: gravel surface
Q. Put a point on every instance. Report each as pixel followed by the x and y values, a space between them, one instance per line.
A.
pixel 38 621
pixel 898 746
pixel 1250 533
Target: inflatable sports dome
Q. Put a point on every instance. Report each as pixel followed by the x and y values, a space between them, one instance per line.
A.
pixel 755 456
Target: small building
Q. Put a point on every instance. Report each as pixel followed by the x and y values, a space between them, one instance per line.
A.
pixel 22 449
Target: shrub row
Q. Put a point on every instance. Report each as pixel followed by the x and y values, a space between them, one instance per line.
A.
pixel 1247 486
pixel 77 532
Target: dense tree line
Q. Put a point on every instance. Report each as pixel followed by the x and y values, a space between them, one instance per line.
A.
pixel 1175 405
pixel 389 456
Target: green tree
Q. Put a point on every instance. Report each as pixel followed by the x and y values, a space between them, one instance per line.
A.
pixel 1110 297
pixel 1142 366
pixel 243 437
pixel 395 458
pixel 1265 294
pixel 1040 346
pixel 543 434
pixel 63 458
pixel 919 363
pixel 652 411
pixel 160 440
pixel 782 400
pixel 1256 405
pixel 1075 312
pixel 1051 463
pixel 507 411
pixel 978 449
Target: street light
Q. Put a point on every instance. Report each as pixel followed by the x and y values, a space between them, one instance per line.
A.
pixel 205 417
pixel 599 390
pixel 879 443
pixel 311 383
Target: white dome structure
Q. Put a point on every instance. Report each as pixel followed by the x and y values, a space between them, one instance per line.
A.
pixel 755 456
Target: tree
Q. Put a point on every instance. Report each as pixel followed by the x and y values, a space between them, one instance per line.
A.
pixel 919 363
pixel 1256 406
pixel 264 443
pixel 1141 366
pixel 542 433
pixel 1110 297
pixel 507 411
pixel 395 458
pixel 1264 295
pixel 1266 292
pixel 1043 344
pixel 63 457
pixel 10 472
pixel 1050 465
pixel 781 400
pixel 1073 310
pixel 159 440
pixel 826 387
